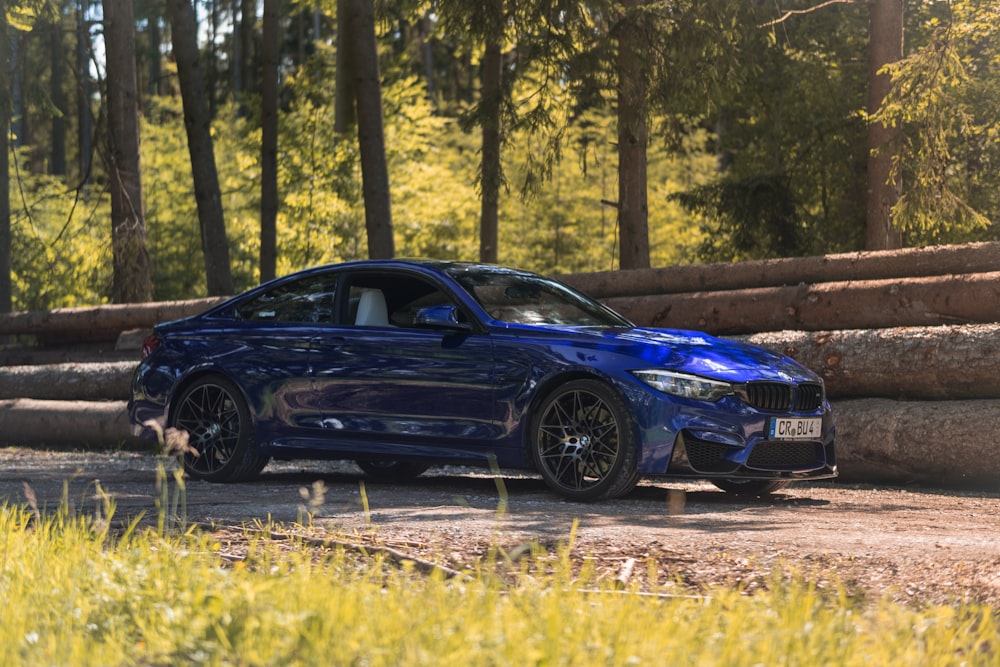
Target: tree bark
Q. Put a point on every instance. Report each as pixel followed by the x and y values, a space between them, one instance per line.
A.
pixel 112 318
pixel 633 206
pixel 83 110
pixel 6 282
pixel 77 423
pixel 104 381
pixel 345 96
pixel 371 136
pixel 941 443
pixel 876 304
pixel 57 159
pixel 875 265
pixel 132 281
pixel 490 101
pixel 885 46
pixel 914 363
pixel 269 144
pixel 198 123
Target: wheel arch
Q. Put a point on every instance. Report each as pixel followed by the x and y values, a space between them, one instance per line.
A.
pixel 550 384
pixel 198 374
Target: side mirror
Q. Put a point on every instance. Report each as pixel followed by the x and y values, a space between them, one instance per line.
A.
pixel 441 317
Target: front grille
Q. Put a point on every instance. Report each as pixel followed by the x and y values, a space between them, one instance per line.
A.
pixel 808 396
pixel 770 396
pixel 783 397
pixel 786 455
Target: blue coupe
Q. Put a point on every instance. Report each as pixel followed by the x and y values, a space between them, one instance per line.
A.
pixel 400 365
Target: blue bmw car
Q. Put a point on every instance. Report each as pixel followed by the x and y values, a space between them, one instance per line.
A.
pixel 400 365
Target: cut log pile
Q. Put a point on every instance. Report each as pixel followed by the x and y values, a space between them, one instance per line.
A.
pixel 907 342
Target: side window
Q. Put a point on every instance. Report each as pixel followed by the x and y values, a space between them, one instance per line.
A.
pixel 391 300
pixel 308 300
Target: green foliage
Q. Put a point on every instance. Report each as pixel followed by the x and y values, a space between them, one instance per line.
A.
pixel 76 593
pixel 944 98
pixel 790 142
pixel 61 244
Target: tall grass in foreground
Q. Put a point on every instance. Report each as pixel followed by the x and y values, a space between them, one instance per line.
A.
pixel 73 594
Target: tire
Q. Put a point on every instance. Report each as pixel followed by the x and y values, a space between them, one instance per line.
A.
pixel 216 417
pixel 750 487
pixel 392 471
pixel 583 442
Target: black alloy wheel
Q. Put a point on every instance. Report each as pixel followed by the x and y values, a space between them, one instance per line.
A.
pixel 584 442
pixel 220 432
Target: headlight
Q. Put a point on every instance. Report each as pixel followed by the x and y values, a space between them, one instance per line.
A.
pixel 685 386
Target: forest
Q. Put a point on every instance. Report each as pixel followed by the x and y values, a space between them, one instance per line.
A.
pixel 164 149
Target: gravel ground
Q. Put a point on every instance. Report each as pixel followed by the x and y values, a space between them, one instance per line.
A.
pixel 917 545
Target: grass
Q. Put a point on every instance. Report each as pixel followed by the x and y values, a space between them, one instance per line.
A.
pixel 76 592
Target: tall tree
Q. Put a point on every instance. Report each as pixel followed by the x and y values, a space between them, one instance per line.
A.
pixel 360 20
pixel 83 109
pixel 131 281
pixel 884 186
pixel 57 160
pixel 633 138
pixel 6 285
pixel 198 123
pixel 490 171
pixel 269 144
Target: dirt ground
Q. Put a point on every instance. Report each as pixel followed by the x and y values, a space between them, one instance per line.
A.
pixel 913 544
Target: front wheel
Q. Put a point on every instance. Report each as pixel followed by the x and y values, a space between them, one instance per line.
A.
pixel 220 432
pixel 583 442
pixel 750 487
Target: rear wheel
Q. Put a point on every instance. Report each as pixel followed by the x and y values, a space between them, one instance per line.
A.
pixel 583 442
pixel 392 471
pixel 220 432
pixel 750 487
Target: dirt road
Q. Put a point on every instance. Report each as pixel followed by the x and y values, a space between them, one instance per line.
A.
pixel 913 544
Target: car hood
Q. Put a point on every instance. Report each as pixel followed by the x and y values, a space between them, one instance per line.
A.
pixel 697 353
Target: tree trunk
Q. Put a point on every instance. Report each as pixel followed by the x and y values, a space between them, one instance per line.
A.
pixel 345 93
pixel 877 304
pixel 105 381
pixel 57 159
pixel 371 138
pixel 269 144
pixel 198 123
pixel 6 238
pixel 131 282
pixel 921 363
pixel 74 322
pixel 83 110
pixel 490 101
pixel 942 443
pixel 633 207
pixel 874 265
pixel 26 421
pixel 885 46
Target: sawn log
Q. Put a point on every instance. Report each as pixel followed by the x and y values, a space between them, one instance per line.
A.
pixel 924 363
pixel 872 304
pixel 871 265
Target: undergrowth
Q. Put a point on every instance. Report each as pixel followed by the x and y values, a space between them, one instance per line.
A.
pixel 76 592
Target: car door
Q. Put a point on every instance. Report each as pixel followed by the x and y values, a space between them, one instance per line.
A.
pixel 276 329
pixel 391 387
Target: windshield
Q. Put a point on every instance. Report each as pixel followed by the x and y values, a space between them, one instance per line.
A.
pixel 524 298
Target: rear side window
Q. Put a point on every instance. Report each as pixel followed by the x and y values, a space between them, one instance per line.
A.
pixel 307 300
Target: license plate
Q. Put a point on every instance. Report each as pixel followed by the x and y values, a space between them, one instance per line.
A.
pixel 783 428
